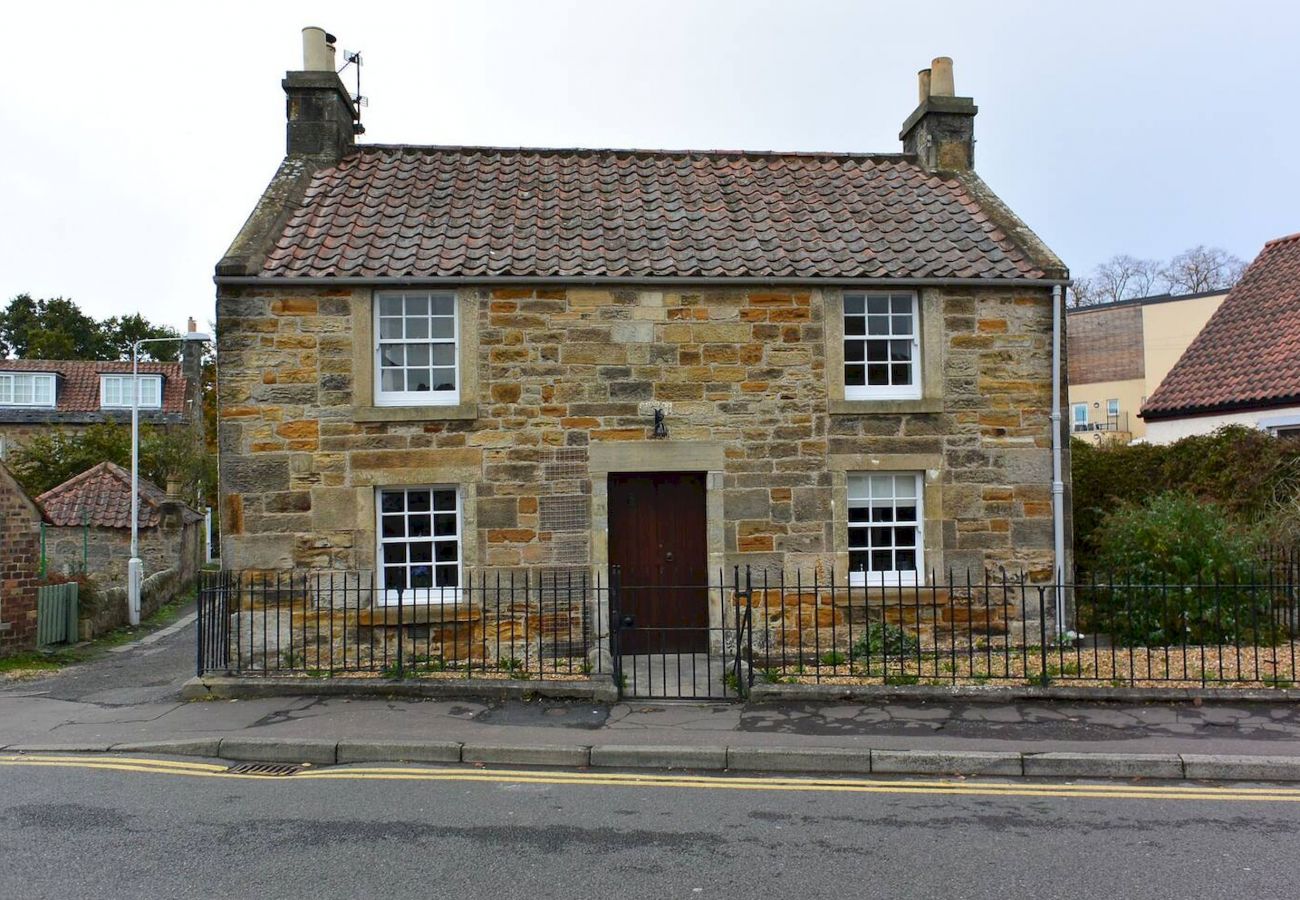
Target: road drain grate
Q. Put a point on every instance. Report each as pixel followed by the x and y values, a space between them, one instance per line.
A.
pixel 271 770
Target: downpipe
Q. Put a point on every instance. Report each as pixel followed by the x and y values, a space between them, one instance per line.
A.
pixel 1058 478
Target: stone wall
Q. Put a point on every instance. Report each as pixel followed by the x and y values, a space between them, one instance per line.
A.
pixel 561 381
pixel 103 552
pixel 20 524
pixel 109 611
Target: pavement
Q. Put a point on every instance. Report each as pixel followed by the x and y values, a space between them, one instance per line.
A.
pixel 130 698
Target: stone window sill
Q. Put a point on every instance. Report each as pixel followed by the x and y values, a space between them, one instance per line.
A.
pixel 885 407
pixel 463 411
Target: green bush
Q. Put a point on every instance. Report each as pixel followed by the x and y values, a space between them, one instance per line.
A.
pixel 1169 570
pixel 1252 477
pixel 885 639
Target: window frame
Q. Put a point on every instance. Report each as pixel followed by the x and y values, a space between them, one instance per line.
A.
pixel 126 377
pixel 912 391
pixel 431 596
pixel 1112 401
pixel 894 578
pixel 1074 416
pixel 381 397
pixel 46 377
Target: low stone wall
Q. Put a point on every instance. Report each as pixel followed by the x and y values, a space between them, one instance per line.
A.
pixel 109 610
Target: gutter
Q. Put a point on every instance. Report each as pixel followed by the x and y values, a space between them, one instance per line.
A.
pixel 452 280
pixel 1058 479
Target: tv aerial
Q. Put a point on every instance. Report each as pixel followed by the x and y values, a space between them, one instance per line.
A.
pixel 353 58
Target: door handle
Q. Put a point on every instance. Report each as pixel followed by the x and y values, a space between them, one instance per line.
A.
pixel 629 622
pixel 668 557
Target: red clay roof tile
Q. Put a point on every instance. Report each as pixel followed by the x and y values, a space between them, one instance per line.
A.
pixel 1248 354
pixel 464 211
pixel 101 497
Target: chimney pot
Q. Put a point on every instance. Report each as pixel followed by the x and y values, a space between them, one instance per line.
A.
pixel 923 85
pixel 191 326
pixel 317 50
pixel 941 84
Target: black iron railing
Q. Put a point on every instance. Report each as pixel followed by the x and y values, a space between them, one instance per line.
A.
pixel 751 626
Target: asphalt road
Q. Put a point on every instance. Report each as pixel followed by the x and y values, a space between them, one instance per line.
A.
pixel 76 832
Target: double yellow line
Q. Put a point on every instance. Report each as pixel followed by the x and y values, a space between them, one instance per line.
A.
pixel 590 778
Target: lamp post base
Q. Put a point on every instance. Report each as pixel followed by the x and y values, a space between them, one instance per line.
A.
pixel 134 575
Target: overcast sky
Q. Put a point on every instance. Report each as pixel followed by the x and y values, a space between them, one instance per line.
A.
pixel 136 137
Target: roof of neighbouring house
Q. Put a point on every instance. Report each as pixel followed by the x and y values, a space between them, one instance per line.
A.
pixel 476 212
pixel 1248 354
pixel 78 390
pixel 101 496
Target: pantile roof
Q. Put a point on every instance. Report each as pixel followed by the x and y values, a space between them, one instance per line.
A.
pixel 101 496
pixel 403 211
pixel 1248 354
pixel 78 387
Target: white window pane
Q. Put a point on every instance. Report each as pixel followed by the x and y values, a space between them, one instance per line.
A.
pixel 854 304
pixel 417 327
pixel 443 380
pixel 905 486
pixel 444 305
pixel 390 306
pixel 882 486
pixel 877 303
pixel 442 328
pixel 417 306
pixel 390 329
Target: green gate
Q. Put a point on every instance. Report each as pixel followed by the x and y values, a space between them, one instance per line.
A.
pixel 56 614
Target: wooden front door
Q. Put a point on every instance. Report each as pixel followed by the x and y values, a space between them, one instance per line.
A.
pixel 658 540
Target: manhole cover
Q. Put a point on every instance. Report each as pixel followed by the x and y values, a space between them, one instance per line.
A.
pixel 269 769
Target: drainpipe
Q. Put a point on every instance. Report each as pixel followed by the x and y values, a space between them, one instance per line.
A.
pixel 1058 480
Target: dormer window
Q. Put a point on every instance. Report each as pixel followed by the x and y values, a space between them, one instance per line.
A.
pixel 115 391
pixel 27 389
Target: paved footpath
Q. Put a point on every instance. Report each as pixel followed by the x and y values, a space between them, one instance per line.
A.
pixel 131 696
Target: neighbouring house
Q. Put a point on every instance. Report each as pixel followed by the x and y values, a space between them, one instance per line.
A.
pixel 446 363
pixel 1120 352
pixel 1243 368
pixel 88 531
pixel 88 526
pixel 39 395
pixel 20 558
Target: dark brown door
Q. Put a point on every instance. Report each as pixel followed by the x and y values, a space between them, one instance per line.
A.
pixel 657 539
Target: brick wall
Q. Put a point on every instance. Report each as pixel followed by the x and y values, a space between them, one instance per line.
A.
pixel 19 559
pixel 562 376
pixel 1105 344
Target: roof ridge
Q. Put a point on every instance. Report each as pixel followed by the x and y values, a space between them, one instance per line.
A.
pixel 629 151
pixel 1283 239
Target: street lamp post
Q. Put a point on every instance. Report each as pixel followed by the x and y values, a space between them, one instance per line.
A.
pixel 134 566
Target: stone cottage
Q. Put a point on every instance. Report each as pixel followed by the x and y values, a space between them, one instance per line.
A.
pixel 438 361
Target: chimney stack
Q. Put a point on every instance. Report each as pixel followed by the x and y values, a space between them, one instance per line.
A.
pixel 319 109
pixel 941 130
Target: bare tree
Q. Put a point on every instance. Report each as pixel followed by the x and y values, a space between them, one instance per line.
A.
pixel 1083 292
pixel 1202 269
pixel 1121 277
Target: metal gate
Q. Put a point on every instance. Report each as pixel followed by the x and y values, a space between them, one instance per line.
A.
pixel 682 661
pixel 56 614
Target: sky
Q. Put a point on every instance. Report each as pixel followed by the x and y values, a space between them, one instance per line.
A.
pixel 136 137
